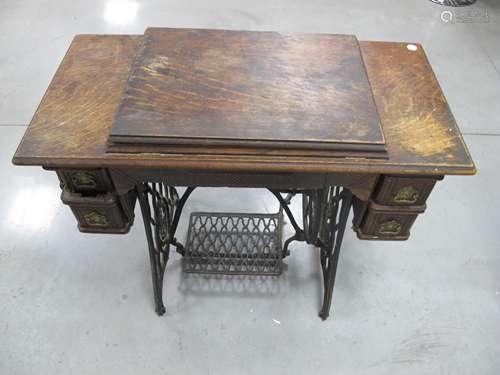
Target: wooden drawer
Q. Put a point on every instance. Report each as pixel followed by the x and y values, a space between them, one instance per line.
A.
pixel 85 180
pixel 404 191
pixel 387 222
pixel 102 213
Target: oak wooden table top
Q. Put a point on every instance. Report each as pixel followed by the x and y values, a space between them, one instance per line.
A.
pixel 249 89
pixel 70 127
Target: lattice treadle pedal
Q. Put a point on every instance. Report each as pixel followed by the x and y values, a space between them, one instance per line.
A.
pixel 234 244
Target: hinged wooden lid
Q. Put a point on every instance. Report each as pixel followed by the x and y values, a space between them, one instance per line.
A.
pixel 243 91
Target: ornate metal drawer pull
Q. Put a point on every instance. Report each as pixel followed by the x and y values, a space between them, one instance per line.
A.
pixel 407 194
pixel 390 227
pixel 85 180
pixel 96 218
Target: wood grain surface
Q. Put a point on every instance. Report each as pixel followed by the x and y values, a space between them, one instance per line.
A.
pixel 71 125
pixel 248 88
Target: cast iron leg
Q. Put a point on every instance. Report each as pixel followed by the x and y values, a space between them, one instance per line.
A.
pixel 157 272
pixel 161 209
pixel 331 241
pixel 324 216
pixel 155 256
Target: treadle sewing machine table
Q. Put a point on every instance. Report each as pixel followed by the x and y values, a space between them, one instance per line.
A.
pixel 340 122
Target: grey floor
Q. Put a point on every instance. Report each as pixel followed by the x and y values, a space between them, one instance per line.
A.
pixel 81 304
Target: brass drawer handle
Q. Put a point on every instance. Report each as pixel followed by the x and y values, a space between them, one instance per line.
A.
pixel 406 195
pixel 84 180
pixel 96 218
pixel 390 227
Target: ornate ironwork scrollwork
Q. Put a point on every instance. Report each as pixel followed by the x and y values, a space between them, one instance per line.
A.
pixel 312 211
pixel 299 232
pixel 161 208
pixel 164 201
pixel 324 214
pixel 336 211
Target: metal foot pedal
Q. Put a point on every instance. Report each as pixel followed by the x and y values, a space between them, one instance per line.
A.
pixel 234 244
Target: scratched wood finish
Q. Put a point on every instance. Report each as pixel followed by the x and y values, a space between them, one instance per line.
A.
pixel 71 125
pixel 414 112
pixel 76 112
pixel 241 88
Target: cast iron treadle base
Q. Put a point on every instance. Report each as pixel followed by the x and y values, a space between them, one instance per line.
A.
pixel 248 244
pixel 234 244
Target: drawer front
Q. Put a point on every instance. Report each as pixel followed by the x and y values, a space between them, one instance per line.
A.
pixel 404 191
pixel 387 222
pixel 85 180
pixel 102 213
